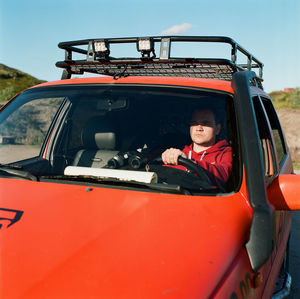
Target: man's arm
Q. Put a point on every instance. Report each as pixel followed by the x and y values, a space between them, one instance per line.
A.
pixel 219 171
pixel 171 155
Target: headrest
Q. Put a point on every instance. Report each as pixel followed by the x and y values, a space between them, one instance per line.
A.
pixel 98 133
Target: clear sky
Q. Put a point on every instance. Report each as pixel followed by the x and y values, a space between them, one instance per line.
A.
pixel 270 29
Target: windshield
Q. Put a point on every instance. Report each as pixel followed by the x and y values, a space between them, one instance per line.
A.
pixel 64 131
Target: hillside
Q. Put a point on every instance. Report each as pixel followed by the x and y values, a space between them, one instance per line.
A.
pixel 13 81
pixel 287 104
pixel 290 121
pixel 286 99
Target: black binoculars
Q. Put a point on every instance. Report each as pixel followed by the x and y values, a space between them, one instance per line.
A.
pixel 135 159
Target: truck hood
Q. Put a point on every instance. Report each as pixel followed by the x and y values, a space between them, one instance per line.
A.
pixel 75 241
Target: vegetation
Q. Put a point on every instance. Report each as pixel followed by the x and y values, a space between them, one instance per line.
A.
pixel 13 81
pixel 282 99
pixel 296 166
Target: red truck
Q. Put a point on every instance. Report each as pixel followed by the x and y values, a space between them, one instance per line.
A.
pixel 89 208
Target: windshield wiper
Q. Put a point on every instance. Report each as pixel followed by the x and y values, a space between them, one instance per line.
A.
pixel 114 181
pixel 17 171
pixel 11 166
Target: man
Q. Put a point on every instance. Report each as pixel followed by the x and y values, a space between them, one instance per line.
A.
pixel 214 157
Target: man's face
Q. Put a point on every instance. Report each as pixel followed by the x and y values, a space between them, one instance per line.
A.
pixel 203 128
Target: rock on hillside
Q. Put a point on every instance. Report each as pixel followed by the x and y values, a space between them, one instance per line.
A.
pixel 290 121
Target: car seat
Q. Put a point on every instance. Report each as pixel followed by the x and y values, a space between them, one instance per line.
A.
pixel 99 140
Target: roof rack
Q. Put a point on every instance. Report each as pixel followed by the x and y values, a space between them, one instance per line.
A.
pixel 97 59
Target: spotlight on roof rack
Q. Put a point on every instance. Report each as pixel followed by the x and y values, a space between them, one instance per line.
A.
pixel 145 46
pixel 101 47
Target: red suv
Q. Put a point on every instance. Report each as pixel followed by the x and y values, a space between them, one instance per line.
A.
pixel 94 204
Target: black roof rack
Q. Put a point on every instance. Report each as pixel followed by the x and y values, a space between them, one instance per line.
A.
pixel 97 59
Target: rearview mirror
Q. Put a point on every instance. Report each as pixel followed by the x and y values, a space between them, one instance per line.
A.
pixel 283 193
pixel 109 104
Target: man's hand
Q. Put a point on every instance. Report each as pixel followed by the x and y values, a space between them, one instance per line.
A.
pixel 170 156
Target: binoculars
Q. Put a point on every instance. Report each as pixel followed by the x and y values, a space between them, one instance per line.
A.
pixel 135 159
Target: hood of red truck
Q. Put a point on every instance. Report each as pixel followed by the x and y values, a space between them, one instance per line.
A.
pixel 75 241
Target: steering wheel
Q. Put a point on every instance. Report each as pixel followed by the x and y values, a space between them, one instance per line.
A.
pixel 190 165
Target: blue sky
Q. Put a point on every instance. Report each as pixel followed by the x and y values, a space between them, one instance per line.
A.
pixel 270 29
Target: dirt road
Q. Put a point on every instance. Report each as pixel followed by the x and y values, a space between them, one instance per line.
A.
pixel 294 262
pixel 14 152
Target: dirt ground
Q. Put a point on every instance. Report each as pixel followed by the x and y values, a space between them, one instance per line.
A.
pixel 13 152
pixel 294 262
pixel 290 122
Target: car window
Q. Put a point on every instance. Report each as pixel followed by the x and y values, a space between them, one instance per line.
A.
pixel 278 137
pixel 266 140
pixel 23 132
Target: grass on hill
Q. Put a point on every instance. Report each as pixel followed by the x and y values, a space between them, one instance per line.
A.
pixel 283 99
pixel 296 166
pixel 13 81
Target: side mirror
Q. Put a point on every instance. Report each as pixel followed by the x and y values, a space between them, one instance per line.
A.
pixel 284 192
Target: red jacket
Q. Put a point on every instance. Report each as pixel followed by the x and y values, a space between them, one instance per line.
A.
pixel 216 160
